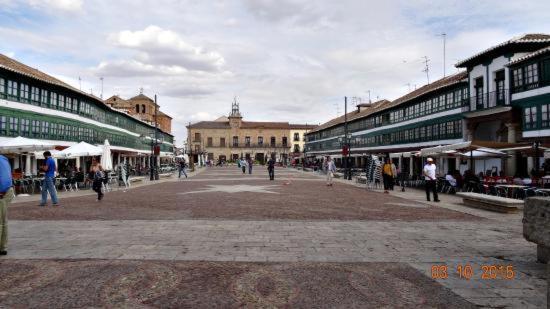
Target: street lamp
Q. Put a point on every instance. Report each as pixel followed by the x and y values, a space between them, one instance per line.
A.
pixel 536 145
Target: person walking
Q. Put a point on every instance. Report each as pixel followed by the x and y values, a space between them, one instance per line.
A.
pixel 387 175
pixel 182 168
pixel 125 173
pixel 331 168
pixel 49 169
pixel 271 168
pixel 6 196
pixel 99 176
pixel 243 165
pixel 249 163
pixel 430 178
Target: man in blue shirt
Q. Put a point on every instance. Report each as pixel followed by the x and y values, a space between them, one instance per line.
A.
pixel 6 195
pixel 49 180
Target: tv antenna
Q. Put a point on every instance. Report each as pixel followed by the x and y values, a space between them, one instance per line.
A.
pixel 337 109
pixel 444 35
pixel 427 68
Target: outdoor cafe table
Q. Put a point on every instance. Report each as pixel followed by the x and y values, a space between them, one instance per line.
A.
pixel 511 188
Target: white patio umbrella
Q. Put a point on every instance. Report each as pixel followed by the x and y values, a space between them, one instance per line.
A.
pixel 22 144
pixel 55 154
pixel 106 160
pixel 81 149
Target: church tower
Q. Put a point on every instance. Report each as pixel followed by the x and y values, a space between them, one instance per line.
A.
pixel 235 117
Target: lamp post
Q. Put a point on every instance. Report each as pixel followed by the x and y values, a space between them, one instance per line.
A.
pixel 346 143
pixel 536 144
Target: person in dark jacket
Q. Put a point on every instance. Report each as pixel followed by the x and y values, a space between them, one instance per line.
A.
pixel 271 169
pixel 99 177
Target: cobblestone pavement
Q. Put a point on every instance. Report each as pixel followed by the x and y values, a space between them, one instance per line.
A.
pixel 293 250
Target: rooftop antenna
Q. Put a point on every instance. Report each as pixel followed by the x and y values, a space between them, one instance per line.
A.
pixel 80 83
pixel 368 91
pixel 101 96
pixel 140 90
pixel 337 109
pixel 427 68
pixel 444 35
pixel 409 86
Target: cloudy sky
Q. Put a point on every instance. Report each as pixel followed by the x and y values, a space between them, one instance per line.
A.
pixel 285 60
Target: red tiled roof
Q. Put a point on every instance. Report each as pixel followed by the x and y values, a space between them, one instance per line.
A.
pixel 385 104
pixel 264 125
pixel 15 66
pixel 539 52
pixel 356 114
pixel 210 125
pixel 302 126
pixel 523 39
pixel 250 125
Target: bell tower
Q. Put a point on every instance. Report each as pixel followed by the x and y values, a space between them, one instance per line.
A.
pixel 235 117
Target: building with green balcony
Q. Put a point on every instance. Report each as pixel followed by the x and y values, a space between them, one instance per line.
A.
pixel 38 106
pixel 502 99
pixel 530 88
pixel 428 116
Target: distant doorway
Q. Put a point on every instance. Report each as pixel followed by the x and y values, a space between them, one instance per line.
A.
pixel 260 158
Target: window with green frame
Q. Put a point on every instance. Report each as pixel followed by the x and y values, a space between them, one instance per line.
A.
pixel 44 97
pixel 25 127
pixel 14 126
pixel 545 115
pixel 53 100
pixel 517 78
pixel 35 96
pixel 3 125
pixel 24 93
pixel 45 129
pixel 12 89
pixel 2 88
pixel 530 117
pixel 531 74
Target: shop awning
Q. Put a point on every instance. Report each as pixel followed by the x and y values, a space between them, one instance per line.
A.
pixel 484 153
pixel 407 154
pixel 465 146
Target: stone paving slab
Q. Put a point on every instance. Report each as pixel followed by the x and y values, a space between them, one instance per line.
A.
pixel 305 224
pixel 165 284
pixel 307 199
pixel 421 244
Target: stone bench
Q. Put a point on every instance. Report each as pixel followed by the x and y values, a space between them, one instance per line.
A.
pixel 536 225
pixel 136 179
pixel 491 202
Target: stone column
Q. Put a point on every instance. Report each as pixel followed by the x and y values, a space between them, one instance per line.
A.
pixel 33 165
pixel 16 161
pixel 530 164
pixel 511 161
pixel 27 165
pixel 56 164
pixel 411 168
pixel 78 163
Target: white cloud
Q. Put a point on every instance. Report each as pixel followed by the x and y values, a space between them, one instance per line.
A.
pixel 55 5
pixel 160 47
pixel 286 60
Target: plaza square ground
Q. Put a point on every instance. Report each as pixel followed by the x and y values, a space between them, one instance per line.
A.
pixel 224 239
